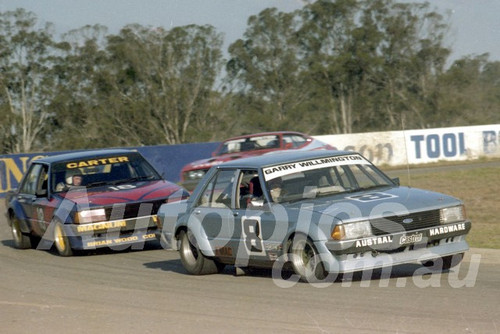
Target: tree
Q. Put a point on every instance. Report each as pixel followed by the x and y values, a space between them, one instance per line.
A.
pixel 327 35
pixel 413 57
pixel 266 71
pixel 160 82
pixel 77 73
pixel 26 86
pixel 470 93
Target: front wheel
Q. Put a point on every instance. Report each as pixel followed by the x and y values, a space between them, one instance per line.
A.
pixel 21 241
pixel 61 241
pixel 193 259
pixel 305 260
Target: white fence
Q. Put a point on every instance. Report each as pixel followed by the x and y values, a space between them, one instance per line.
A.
pixel 421 146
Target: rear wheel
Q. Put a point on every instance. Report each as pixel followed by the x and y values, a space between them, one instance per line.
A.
pixel 21 240
pixel 305 260
pixel 193 259
pixel 61 241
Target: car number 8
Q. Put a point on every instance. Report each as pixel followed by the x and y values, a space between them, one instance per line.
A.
pixel 252 234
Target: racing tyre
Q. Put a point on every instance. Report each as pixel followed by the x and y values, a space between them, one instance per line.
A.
pixel 61 241
pixel 21 241
pixel 193 259
pixel 305 260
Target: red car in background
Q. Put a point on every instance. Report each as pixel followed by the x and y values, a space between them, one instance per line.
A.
pixel 246 146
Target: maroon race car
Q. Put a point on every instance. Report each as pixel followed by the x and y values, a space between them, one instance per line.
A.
pixel 246 146
pixel 89 200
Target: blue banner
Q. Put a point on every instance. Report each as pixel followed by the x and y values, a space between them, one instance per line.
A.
pixel 167 159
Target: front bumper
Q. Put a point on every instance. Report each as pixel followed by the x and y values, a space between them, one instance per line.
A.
pixel 117 233
pixel 393 249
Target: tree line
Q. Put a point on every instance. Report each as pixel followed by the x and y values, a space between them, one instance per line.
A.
pixel 333 66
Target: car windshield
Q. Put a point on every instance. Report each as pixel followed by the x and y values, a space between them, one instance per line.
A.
pixel 322 177
pixel 249 144
pixel 110 170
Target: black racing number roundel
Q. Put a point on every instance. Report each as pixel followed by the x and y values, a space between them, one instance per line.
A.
pixel 371 197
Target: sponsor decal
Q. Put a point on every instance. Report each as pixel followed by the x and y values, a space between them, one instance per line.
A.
pixel 101 226
pixel 224 251
pixel 99 243
pixel 96 162
pixel 447 229
pixel 149 236
pixel 410 239
pixel 286 169
pixel 109 242
pixel 374 241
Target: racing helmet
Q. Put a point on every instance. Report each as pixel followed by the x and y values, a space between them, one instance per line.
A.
pixel 69 176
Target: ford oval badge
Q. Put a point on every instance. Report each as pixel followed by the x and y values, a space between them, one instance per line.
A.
pixel 407 221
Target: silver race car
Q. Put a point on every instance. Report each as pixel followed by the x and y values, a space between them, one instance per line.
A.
pixel 319 213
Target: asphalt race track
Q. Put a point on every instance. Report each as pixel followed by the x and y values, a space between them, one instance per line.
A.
pixel 149 292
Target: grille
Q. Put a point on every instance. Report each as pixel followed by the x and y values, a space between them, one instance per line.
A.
pixel 394 224
pixel 132 210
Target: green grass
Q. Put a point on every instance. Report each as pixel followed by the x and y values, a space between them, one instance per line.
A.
pixel 479 188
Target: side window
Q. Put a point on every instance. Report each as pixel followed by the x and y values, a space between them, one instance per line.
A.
pixel 339 177
pixel 42 184
pixel 293 141
pixel 248 188
pixel 218 192
pixel 30 182
pixel 366 177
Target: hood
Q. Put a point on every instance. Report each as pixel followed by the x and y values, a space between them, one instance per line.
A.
pixel 381 202
pixel 131 192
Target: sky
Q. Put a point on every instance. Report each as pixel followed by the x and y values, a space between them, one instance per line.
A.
pixel 474 26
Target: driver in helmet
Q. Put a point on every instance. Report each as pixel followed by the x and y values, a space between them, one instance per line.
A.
pixel 73 179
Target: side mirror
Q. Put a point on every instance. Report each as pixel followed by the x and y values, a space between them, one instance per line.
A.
pixel 257 202
pixel 396 181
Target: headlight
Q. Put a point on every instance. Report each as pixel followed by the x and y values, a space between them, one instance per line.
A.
pixel 357 230
pixel 452 214
pixel 90 216
pixel 195 174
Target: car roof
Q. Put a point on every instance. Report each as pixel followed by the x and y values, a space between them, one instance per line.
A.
pixel 82 155
pixel 281 157
pixel 267 134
